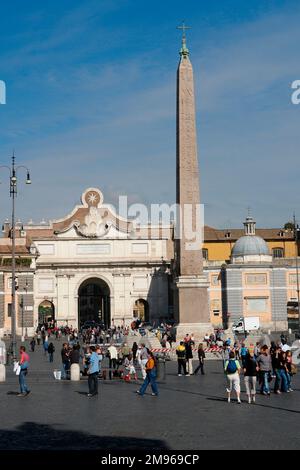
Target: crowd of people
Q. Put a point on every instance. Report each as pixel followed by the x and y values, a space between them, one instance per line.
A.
pixel 260 365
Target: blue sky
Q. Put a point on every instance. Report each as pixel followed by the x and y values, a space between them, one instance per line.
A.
pixel 91 102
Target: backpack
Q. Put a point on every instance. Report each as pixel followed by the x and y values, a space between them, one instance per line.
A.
pixel 232 367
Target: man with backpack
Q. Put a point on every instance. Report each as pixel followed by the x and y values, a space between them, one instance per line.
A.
pixel 232 370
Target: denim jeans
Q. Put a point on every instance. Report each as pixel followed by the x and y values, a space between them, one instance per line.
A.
pixel 265 382
pixel 50 357
pixel 65 370
pixel 284 380
pixel 289 380
pixel 277 380
pixel 93 383
pixel 22 381
pixel 150 379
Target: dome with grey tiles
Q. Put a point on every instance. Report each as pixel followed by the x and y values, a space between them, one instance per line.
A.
pixel 250 245
pixel 250 248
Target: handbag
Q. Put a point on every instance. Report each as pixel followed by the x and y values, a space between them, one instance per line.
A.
pixel 294 369
pixel 17 368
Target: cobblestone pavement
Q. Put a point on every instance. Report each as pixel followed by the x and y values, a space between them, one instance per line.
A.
pixel 190 413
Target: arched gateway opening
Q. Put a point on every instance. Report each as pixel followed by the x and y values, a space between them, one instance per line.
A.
pixel 46 313
pixel 141 310
pixel 94 302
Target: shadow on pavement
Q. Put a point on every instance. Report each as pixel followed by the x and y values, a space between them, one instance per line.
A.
pixel 257 405
pixel 35 436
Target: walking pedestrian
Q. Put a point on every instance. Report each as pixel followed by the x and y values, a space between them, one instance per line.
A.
pixel 289 370
pixel 232 370
pixel 150 377
pixel 250 375
pixel 189 356
pixel 24 364
pixel 93 371
pixel 46 346
pixel 201 357
pixel 144 356
pixel 51 350
pixel 243 354
pixel 265 365
pixel 32 344
pixel 278 368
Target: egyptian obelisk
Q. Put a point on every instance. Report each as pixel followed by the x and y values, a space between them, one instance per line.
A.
pixel 192 295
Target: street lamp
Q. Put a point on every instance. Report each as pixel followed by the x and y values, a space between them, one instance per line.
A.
pixel 296 236
pixel 22 305
pixel 13 193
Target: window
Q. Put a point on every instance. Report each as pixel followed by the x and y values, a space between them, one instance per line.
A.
pixel 205 254
pixel 278 252
pixel 293 279
pixel 9 310
pixel 256 279
pixel 227 234
pixel 257 304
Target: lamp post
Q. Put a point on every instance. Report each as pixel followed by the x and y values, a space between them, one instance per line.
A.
pixel 22 304
pixel 296 229
pixel 13 169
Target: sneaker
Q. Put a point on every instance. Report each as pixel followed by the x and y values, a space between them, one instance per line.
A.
pixel 139 393
pixel 154 394
pixel 291 390
pixel 253 398
pixel 239 402
pixel 21 395
pixel 187 375
pixel 27 393
pixel 228 400
pixel 179 375
pixel 249 400
pixel 278 392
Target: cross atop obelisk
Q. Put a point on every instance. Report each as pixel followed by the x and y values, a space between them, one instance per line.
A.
pixel 184 50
